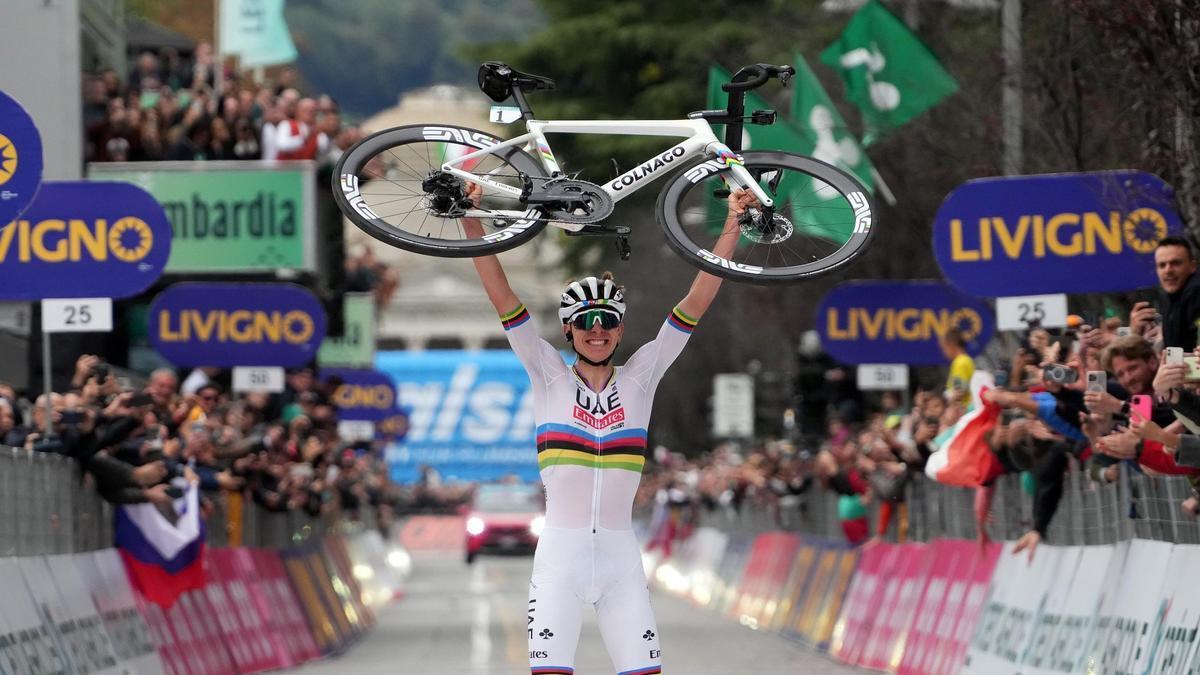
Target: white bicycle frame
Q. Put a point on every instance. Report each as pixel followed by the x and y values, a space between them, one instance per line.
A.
pixel 698 136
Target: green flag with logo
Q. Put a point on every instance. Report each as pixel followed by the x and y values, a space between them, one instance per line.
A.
pixel 889 73
pixel 831 220
pixel 256 32
pixel 813 110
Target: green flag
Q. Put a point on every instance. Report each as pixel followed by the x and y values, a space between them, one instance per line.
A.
pixel 833 143
pixel 816 209
pixel 889 73
pixel 256 32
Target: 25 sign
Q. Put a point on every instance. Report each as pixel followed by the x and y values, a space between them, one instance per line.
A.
pixel 1021 312
pixel 77 315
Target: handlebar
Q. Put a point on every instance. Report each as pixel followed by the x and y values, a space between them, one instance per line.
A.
pixel 757 75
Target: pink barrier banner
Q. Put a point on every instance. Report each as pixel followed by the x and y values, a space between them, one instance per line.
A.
pixel 240 621
pixel 951 565
pixel 208 649
pixel 170 649
pixel 767 571
pixel 960 625
pixel 273 590
pixel 236 618
pixel 859 612
pixel 903 581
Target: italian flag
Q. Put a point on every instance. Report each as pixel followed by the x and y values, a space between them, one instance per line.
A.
pixel 962 456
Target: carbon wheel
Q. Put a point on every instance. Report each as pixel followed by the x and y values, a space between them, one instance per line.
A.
pixel 390 185
pixel 822 219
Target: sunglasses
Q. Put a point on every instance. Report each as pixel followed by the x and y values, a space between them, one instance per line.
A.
pixel 586 320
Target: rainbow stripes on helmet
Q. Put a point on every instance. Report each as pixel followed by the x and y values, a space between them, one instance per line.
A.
pixel 591 293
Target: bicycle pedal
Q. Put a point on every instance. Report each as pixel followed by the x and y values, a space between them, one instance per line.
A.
pixel 623 248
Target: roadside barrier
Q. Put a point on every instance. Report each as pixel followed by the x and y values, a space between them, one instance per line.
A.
pixel 1118 599
pixel 260 610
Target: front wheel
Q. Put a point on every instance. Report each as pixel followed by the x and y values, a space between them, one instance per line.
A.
pixel 821 220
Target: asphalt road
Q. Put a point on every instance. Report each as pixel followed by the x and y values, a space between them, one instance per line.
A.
pixel 463 619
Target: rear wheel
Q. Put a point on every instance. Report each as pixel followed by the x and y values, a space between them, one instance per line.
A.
pixel 821 220
pixel 391 186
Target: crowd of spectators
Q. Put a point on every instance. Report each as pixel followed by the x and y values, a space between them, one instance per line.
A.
pixel 282 451
pixel 169 108
pixel 1113 389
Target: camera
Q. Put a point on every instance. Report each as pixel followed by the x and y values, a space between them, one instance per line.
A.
pixel 1060 374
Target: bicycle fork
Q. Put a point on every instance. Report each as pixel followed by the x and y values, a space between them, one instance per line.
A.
pixel 737 172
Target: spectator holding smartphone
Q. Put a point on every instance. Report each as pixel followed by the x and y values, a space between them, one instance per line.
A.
pixel 1178 297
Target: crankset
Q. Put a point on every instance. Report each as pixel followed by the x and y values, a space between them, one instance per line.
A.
pixel 570 201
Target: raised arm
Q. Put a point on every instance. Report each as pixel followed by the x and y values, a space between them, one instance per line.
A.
pixel 706 285
pixel 491 274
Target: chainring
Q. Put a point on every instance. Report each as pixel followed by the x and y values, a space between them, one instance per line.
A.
pixel 586 202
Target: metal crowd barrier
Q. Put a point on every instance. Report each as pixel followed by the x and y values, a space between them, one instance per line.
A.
pixel 47 506
pixel 1135 506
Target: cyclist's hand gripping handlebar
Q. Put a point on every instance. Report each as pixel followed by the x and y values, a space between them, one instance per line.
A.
pixel 755 76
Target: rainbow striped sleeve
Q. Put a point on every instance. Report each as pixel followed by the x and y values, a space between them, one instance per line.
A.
pixel 515 318
pixel 681 322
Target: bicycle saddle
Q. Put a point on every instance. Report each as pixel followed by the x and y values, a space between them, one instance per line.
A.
pixel 497 79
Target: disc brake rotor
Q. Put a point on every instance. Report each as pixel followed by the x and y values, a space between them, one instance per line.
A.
pixel 756 229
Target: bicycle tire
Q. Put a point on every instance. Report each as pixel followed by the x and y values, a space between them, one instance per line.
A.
pixel 354 164
pixel 851 204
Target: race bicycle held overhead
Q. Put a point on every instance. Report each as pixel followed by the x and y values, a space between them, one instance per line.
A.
pixel 407 187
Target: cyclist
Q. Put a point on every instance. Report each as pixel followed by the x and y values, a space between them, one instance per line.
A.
pixel 591 444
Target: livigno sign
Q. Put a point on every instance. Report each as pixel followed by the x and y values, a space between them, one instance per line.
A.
pixel 230 216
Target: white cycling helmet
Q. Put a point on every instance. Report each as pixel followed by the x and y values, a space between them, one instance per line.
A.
pixel 591 294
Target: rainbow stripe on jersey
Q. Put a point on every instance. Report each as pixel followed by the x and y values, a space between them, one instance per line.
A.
pixel 562 444
pixel 682 322
pixel 515 318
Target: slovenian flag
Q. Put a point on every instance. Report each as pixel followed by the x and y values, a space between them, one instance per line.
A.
pixel 164 559
pixel 963 456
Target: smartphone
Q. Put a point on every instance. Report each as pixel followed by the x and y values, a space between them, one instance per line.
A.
pixel 1173 355
pixel 139 400
pixel 72 416
pixel 1097 380
pixel 1123 331
pixel 1193 367
pixel 1142 405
